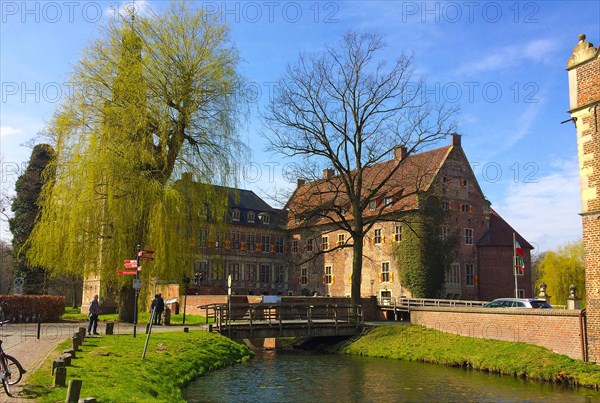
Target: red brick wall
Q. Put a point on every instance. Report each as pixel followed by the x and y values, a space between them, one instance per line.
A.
pixel 557 330
pixel 496 279
pixel 588 82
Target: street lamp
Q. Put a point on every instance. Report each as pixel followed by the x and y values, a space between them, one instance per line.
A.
pixel 186 283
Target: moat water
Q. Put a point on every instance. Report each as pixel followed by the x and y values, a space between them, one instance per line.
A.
pixel 296 376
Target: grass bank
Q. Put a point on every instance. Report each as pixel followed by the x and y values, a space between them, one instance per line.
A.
pixel 112 369
pixel 417 343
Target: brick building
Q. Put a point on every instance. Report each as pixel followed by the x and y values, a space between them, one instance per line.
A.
pixel 584 95
pixel 251 247
pixel 483 263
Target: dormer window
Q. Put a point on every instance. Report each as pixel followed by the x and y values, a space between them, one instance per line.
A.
pixel 372 204
pixel 388 201
pixel 264 218
pixel 250 216
pixel 235 215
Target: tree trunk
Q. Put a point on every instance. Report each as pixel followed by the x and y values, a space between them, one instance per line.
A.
pixel 126 303
pixel 357 256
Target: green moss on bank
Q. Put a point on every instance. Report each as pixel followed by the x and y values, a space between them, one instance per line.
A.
pixel 112 369
pixel 417 343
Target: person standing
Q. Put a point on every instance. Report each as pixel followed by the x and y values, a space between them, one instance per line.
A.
pixel 160 307
pixel 93 311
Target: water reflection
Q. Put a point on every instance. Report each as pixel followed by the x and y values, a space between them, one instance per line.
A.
pixel 307 377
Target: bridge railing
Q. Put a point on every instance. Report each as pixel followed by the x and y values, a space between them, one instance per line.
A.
pixel 415 302
pixel 310 314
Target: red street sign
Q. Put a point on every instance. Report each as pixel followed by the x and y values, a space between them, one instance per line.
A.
pixel 127 272
pixel 130 264
pixel 144 251
pixel 147 259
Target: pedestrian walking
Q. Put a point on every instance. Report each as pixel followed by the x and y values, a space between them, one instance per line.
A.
pixel 93 312
pixel 160 307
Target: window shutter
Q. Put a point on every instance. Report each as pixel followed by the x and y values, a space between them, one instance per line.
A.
pixel 332 278
pixel 380 277
pixel 392 277
pixel 323 279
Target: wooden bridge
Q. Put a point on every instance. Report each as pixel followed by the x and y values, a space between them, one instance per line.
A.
pixel 247 321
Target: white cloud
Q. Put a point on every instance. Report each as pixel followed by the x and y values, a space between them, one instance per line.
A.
pixel 510 56
pixel 6 131
pixel 546 213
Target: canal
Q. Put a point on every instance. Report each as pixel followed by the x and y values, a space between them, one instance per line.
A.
pixel 295 376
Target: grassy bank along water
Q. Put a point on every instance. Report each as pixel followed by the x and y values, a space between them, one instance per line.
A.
pixel 417 343
pixel 112 368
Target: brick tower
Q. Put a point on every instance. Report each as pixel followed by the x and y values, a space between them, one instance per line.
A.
pixel 584 94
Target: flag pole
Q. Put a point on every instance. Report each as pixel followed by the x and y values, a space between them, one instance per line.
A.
pixel 515 264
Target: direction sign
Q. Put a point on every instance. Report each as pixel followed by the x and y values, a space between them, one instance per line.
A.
pixel 130 264
pixel 147 259
pixel 127 272
pixel 145 252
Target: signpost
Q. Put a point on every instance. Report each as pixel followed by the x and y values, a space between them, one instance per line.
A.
pixel 229 304
pixel 137 282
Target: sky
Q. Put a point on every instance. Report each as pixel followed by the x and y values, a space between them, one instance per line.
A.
pixel 502 62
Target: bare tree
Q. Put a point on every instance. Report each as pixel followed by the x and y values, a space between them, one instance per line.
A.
pixel 346 110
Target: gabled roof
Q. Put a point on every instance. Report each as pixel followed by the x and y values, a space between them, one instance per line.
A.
pixel 414 173
pixel 500 233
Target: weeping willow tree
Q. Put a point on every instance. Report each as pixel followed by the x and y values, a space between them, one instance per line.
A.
pixel 154 99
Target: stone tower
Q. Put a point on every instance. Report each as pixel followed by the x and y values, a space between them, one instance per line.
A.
pixel 584 94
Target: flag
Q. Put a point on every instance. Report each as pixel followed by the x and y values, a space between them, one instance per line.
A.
pixel 520 257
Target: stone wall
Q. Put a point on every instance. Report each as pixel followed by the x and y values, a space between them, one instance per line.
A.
pixel 557 330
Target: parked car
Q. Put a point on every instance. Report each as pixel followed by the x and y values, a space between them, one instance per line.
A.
pixel 518 303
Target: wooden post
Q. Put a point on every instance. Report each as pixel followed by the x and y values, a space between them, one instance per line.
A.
pixel 73 391
pixel 109 327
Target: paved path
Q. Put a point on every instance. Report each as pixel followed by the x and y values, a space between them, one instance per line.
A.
pixel 20 340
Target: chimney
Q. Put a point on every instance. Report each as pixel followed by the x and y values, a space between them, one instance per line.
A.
pixel 456 139
pixel 399 153
pixel 328 173
pixel 187 177
pixel 301 182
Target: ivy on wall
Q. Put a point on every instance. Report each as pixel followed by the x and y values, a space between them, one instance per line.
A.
pixel 423 255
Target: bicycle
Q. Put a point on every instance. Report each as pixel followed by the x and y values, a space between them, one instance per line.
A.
pixel 11 371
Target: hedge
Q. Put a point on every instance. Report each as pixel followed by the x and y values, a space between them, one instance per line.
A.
pixel 28 308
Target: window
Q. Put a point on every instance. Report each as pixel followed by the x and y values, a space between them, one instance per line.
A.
pixel 377 237
pixel 446 205
pixel 309 245
pixel 235 240
pixel 388 201
pixel 445 180
pixel 279 246
pixel 385 272
pixel 251 272
pixel 251 242
pixel 328 278
pixel 250 216
pixel 280 274
pixel 235 215
pixel 295 245
pixel 217 272
pixel 264 218
pixel 517 265
pixel 453 274
pixel 464 183
pixel 520 293
pixel 234 270
pixel 296 219
pixel 466 208
pixel 470 274
pixel 303 275
pixel 468 236
pixel 265 273
pixel 325 243
pixel 203 238
pixel 398 233
pixel 341 239
pixel 372 204
pixel 443 232
pixel 265 241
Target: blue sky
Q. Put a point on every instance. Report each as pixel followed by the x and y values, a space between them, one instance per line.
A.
pixel 502 62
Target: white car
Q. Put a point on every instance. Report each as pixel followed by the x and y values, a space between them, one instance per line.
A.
pixel 518 303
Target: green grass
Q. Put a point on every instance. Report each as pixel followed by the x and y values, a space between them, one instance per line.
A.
pixel 112 369
pixel 417 343
pixel 75 314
